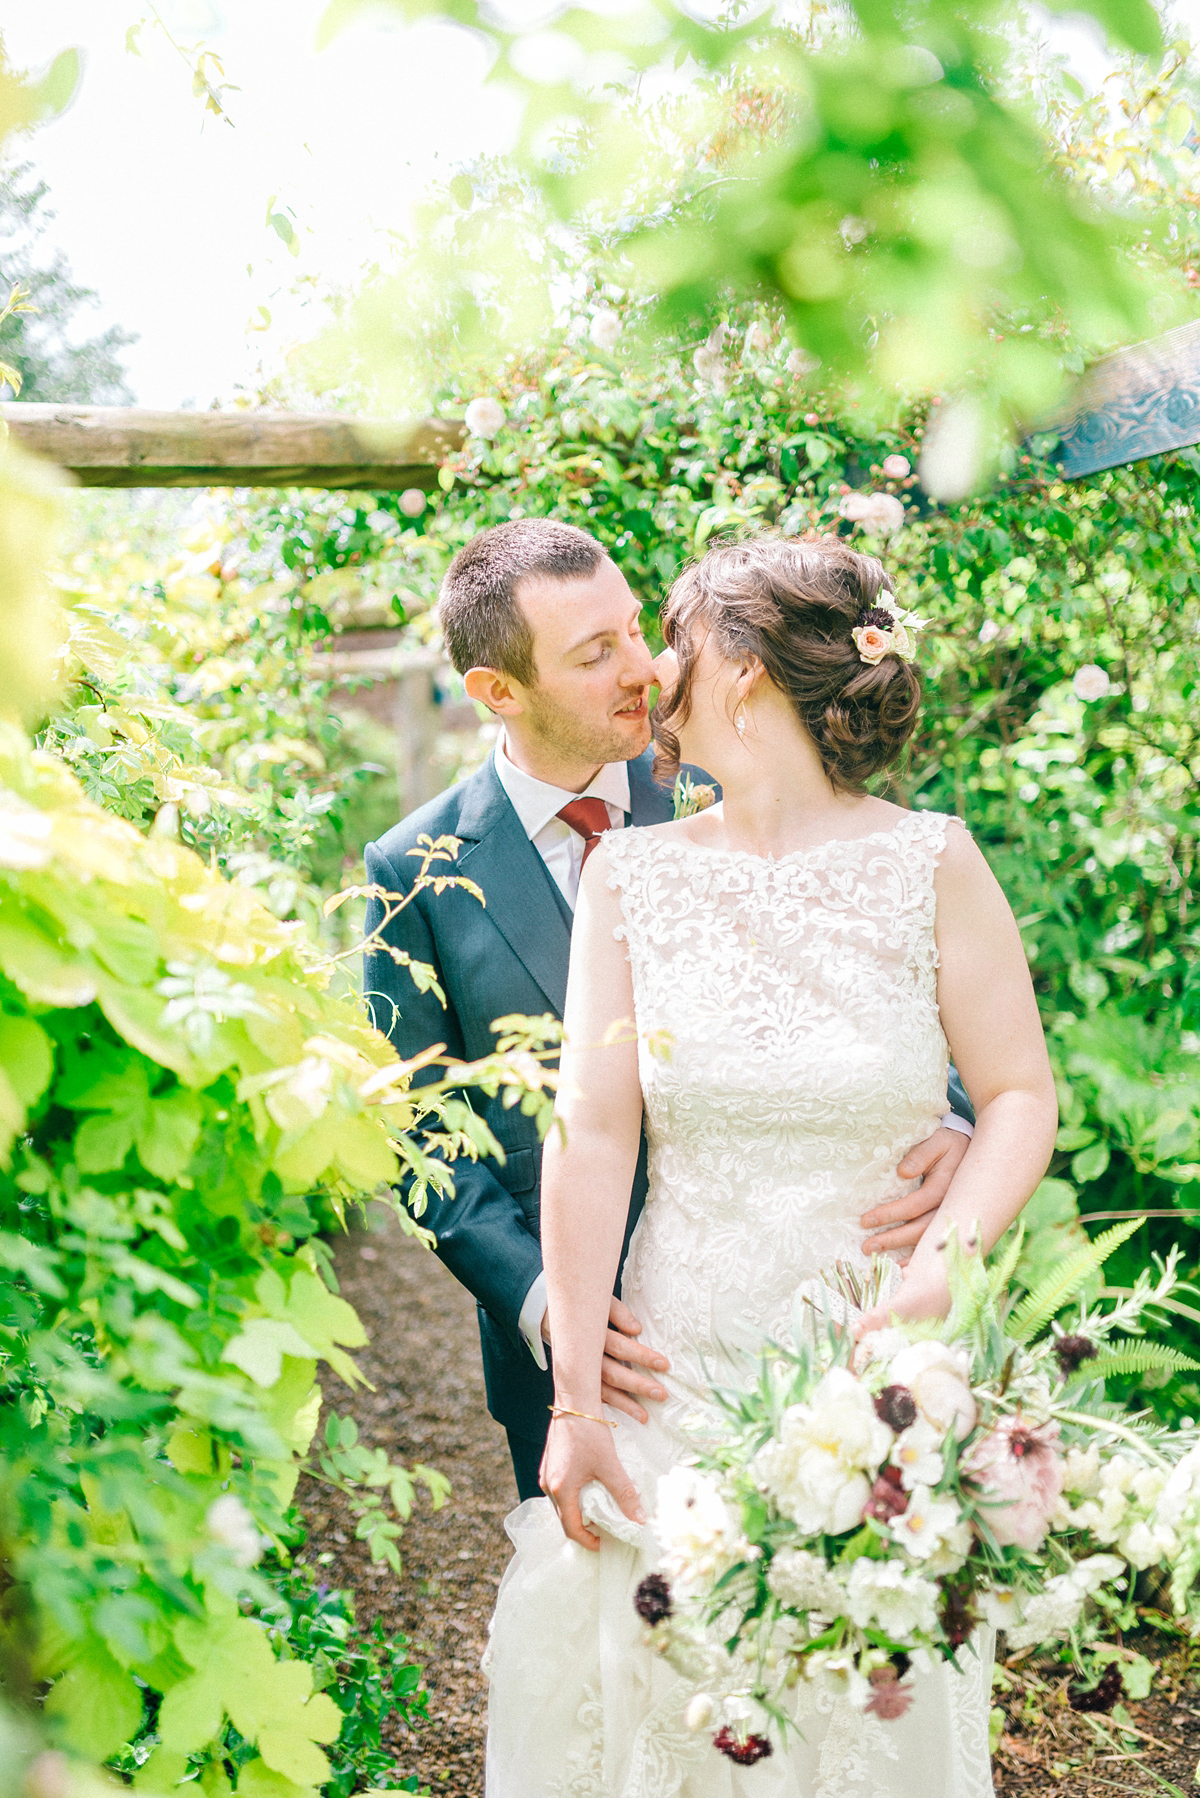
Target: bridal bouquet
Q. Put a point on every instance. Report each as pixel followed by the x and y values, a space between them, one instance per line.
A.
pixel 864 1505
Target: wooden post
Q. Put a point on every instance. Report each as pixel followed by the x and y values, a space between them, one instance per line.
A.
pixel 121 446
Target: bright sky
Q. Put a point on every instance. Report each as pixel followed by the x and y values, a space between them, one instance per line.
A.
pixel 161 207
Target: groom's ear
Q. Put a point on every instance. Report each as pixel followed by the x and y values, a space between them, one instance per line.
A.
pixel 498 692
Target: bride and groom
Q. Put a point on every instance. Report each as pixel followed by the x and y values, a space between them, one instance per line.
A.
pixel 807 951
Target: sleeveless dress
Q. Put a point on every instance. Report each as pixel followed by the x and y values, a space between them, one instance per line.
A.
pixel 806 1057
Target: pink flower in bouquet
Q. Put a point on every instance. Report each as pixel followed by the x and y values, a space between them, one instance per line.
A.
pixel 1019 1471
pixel 889 1699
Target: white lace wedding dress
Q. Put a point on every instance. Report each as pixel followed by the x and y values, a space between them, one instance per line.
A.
pixel 807 1057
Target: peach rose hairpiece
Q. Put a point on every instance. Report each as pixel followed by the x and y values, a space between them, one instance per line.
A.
pixel 884 630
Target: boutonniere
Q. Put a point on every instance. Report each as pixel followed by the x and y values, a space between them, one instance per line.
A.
pixel 692 796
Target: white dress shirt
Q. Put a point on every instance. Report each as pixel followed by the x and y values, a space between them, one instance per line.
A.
pixel 537 805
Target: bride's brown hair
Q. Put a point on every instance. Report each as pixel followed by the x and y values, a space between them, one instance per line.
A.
pixel 793 605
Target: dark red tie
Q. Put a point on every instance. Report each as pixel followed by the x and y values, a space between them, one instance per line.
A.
pixel 589 819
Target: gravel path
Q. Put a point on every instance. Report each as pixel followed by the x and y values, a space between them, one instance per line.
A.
pixel 428 1405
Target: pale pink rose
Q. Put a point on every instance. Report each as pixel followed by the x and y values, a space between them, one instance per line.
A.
pixel 896 468
pixel 1019 1472
pixel 939 1379
pixel 1091 682
pixel 873 644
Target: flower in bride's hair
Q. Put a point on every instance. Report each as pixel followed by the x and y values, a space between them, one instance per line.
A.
pixel 820 1467
pixel 872 643
pixel 700 1532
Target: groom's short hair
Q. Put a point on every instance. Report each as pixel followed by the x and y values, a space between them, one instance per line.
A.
pixel 480 614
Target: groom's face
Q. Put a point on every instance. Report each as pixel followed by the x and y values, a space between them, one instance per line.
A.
pixel 590 699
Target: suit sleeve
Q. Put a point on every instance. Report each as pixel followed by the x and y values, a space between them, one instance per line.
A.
pixel 482 1235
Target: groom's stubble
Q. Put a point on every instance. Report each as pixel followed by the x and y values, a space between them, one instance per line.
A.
pixel 562 732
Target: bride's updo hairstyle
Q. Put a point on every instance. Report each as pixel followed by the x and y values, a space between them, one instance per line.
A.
pixel 793 604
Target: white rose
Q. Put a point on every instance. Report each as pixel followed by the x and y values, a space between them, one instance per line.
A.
pixel 1181 1488
pixel 412 502
pixel 231 1526
pixel 1091 682
pixel 896 467
pixel 939 1379
pixel 800 363
pixel 605 328
pixel 817 1470
pixel 888 1596
pixel 1051 1613
pixel 485 417
pixel 989 630
pixel 880 513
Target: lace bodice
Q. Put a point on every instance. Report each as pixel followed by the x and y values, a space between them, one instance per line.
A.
pixel 790 1052
pixel 805 1057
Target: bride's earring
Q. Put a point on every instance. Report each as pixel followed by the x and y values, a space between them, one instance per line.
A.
pixel 739 720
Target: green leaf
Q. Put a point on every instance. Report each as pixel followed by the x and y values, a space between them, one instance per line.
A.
pixel 165 1143
pixel 191 1713
pixel 1136 1357
pixel 26 1057
pixel 260 1346
pixel 104 1142
pixel 1034 1312
pixel 59 85
pixel 257 1780
pixel 1089 1164
pixel 96 1705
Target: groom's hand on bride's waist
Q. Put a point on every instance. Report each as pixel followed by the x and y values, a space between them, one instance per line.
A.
pixel 628 1368
pixel 901 1223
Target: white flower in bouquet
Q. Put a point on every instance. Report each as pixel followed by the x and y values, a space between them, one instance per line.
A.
pixel 939 1379
pixel 886 1595
pixel 918 1455
pixel 1182 1489
pixel 1050 1613
pixel 839 1675
pixel 1096 1571
pixel 1000 1607
pixel 817 1469
pixel 804 1582
pixel 1146 1543
pixel 700 1712
pixel 1081 1471
pixel 930 1526
pixel 700 1533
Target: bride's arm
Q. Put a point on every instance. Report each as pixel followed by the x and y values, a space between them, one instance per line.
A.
pixel 586 1182
pixel 991 1021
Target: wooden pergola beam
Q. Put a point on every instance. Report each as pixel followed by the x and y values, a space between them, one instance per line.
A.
pixel 122 446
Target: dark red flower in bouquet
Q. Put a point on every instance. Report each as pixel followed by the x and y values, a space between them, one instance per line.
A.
pixel 745 1750
pixel 1072 1351
pixel 1102 1696
pixel 897 1407
pixel 889 1699
pixel 652 1600
pixel 958 1613
pixel 888 1497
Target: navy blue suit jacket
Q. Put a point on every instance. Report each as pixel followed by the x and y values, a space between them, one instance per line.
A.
pixel 508 957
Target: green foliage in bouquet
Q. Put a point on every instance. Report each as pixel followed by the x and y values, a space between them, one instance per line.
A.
pixel 183 1098
pixel 858 1504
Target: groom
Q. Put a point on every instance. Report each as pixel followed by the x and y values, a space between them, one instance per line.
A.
pixel 545 632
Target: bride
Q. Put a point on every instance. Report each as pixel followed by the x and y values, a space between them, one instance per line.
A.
pixel 796 961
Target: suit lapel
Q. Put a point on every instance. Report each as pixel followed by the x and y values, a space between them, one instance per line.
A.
pixel 521 900
pixel 648 802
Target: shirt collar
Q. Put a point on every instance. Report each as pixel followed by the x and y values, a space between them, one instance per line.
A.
pixel 536 801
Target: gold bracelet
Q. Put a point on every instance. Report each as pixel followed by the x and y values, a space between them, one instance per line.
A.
pixel 557 1411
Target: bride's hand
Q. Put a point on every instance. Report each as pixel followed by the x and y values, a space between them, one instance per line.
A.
pixel 927 1295
pixel 579 1450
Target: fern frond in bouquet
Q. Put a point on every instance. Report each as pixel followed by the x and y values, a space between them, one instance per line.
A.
pixel 857 1508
